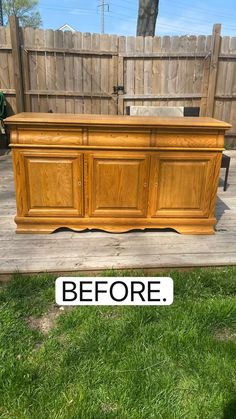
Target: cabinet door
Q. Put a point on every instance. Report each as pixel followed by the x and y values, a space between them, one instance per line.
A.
pixel 182 184
pixel 118 184
pixel 53 183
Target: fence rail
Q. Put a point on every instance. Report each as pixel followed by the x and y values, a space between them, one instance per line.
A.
pixel 46 70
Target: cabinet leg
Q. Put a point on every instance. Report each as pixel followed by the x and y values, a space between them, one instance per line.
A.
pixel 195 229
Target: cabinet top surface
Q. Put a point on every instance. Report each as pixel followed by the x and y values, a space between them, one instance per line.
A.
pixel 31 118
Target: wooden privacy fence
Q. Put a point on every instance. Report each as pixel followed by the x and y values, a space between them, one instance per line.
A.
pixel 46 70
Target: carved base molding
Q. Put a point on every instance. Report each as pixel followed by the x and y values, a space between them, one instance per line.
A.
pixel 49 225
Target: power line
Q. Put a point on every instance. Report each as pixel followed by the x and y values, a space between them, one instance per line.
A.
pixel 76 11
pixel 193 19
pixel 172 28
pixel 119 16
pixel 193 9
pixel 181 7
pixel 218 12
pixel 183 20
pixel 124 7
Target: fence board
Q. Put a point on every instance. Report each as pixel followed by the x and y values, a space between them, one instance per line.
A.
pixel 69 73
pixel 87 73
pixel 9 58
pixel 121 73
pixel 139 68
pixel 96 72
pixel 130 69
pixel 60 76
pixel 41 70
pixel 191 74
pixel 26 72
pixel 156 67
pixel 113 76
pixel 29 65
pixel 198 73
pixel 50 68
pixel 4 73
pixel 78 72
pixel 173 66
pixel 105 45
pixel 7 82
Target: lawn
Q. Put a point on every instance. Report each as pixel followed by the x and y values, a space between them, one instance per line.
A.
pixel 120 362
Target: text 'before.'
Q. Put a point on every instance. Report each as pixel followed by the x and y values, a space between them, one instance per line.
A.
pixel 135 291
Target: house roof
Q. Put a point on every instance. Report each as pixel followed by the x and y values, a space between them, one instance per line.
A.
pixel 66 27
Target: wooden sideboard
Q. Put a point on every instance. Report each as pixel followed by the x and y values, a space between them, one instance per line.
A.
pixel 115 173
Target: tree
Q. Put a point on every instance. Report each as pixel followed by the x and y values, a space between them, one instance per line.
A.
pixel 25 10
pixel 147 16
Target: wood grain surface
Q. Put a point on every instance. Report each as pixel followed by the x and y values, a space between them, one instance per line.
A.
pixel 31 118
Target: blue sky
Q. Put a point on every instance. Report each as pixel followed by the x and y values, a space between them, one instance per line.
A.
pixel 176 17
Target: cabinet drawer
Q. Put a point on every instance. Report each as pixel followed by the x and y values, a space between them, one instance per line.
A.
pixel 119 137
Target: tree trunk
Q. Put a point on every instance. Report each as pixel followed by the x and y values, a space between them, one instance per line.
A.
pixel 147 16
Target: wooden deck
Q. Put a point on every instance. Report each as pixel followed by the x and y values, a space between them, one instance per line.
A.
pixel 96 250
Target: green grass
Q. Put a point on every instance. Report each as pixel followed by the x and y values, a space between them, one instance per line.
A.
pixel 121 362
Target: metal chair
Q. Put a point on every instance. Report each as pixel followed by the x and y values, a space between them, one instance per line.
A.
pixel 225 163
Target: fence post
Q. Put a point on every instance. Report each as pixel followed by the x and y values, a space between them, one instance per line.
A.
pixel 16 55
pixel 215 50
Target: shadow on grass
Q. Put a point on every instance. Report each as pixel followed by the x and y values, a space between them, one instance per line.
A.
pixel 230 410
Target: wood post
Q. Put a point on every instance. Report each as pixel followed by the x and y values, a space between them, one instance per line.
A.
pixel 16 55
pixel 215 50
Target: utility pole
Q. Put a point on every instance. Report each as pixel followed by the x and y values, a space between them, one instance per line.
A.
pixel 102 5
pixel 1 14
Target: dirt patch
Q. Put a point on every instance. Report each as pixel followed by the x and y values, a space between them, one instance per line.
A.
pixel 46 322
pixel 109 315
pixel 38 346
pixel 108 408
pixel 225 334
